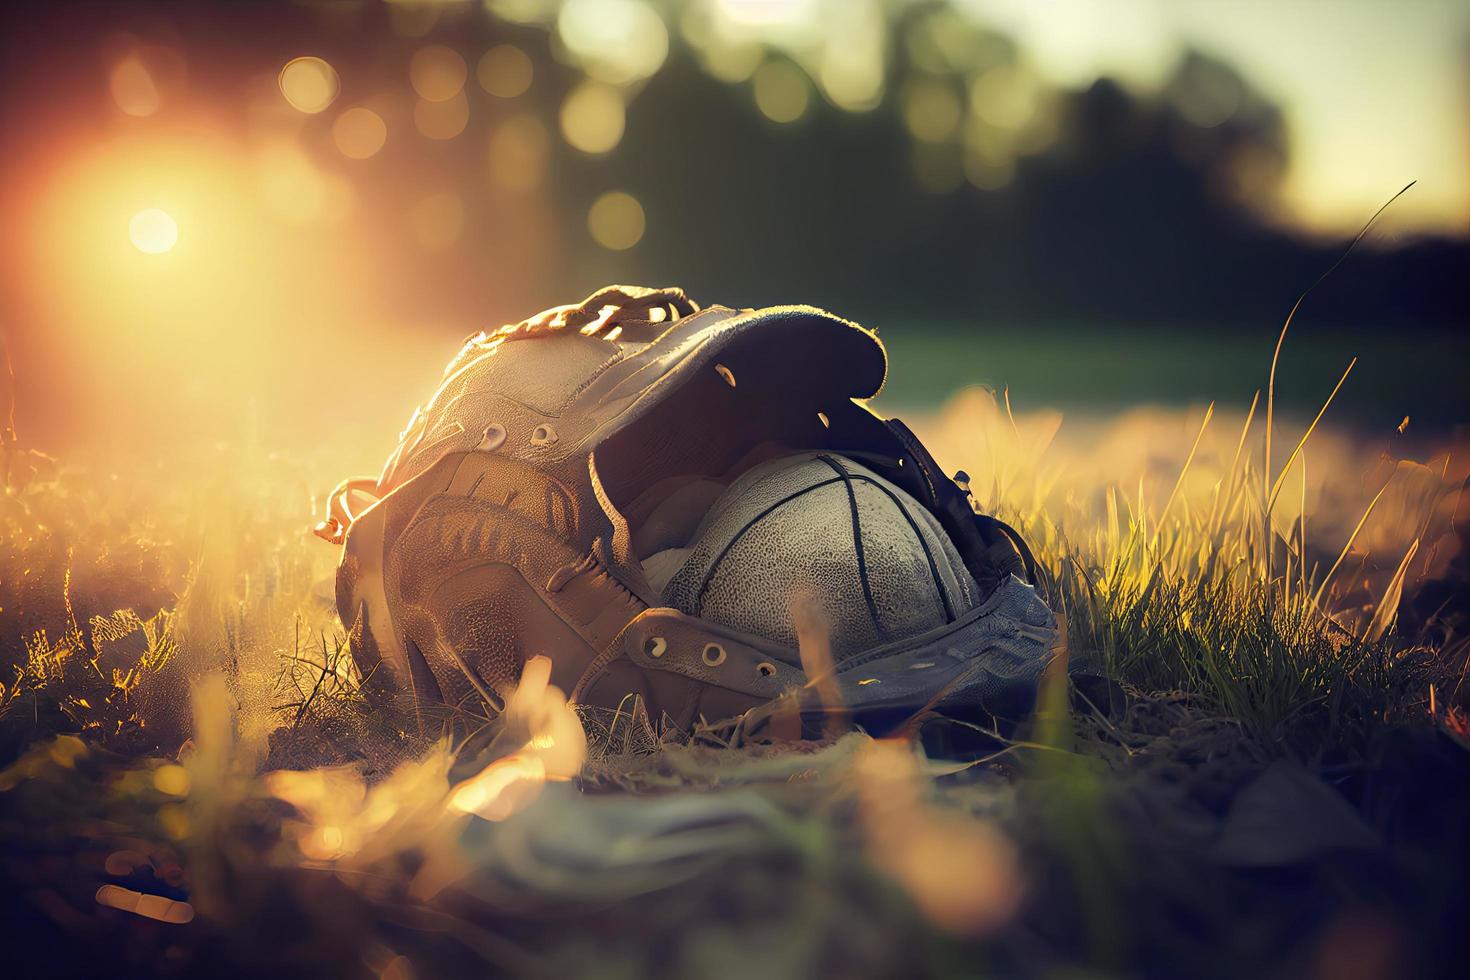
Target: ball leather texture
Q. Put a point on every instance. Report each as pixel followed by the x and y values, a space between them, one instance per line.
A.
pixel 821 528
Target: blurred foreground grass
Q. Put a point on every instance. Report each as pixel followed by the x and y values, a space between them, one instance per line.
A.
pixel 1284 792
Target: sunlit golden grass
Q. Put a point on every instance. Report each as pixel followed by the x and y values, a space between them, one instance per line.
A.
pixel 1154 534
pixel 1150 529
pixel 126 599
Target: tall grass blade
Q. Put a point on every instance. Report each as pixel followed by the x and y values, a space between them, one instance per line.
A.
pixel 1281 339
pixel 1322 588
pixel 1301 444
pixel 1183 471
pixel 1388 607
pixel 1301 539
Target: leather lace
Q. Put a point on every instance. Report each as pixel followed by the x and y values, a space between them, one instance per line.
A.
pixel 608 313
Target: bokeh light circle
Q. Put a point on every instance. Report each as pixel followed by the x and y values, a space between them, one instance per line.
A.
pixel 782 92
pixel 852 83
pixel 593 117
pixel 437 73
pixel 616 221
pixel 442 120
pixel 359 132
pixel 615 41
pixel 505 71
pixel 309 84
pixel 931 111
pixel 519 149
pixel 153 231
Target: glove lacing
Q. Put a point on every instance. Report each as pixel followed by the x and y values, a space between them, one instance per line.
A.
pixel 608 313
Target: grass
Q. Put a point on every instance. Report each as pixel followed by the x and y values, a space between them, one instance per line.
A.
pixel 1283 793
pixel 1084 367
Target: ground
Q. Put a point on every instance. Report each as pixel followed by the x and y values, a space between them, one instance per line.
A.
pixel 1274 783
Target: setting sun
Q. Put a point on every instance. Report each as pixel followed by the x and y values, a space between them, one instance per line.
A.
pixel 153 231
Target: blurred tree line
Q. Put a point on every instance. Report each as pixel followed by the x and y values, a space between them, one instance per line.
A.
pixel 943 200
pixel 1134 214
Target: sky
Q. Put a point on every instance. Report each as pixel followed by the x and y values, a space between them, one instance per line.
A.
pixel 1376 92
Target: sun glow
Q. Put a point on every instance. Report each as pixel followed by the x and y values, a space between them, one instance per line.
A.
pixel 153 231
pixel 234 271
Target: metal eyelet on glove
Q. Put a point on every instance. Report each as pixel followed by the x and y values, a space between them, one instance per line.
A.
pixel 655 646
pixel 766 668
pixel 713 655
pixel 494 436
pixel 543 435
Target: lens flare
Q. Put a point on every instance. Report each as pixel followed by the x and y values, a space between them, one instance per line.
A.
pixel 153 231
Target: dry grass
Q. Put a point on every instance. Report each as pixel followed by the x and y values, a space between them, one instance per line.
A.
pixel 1267 631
